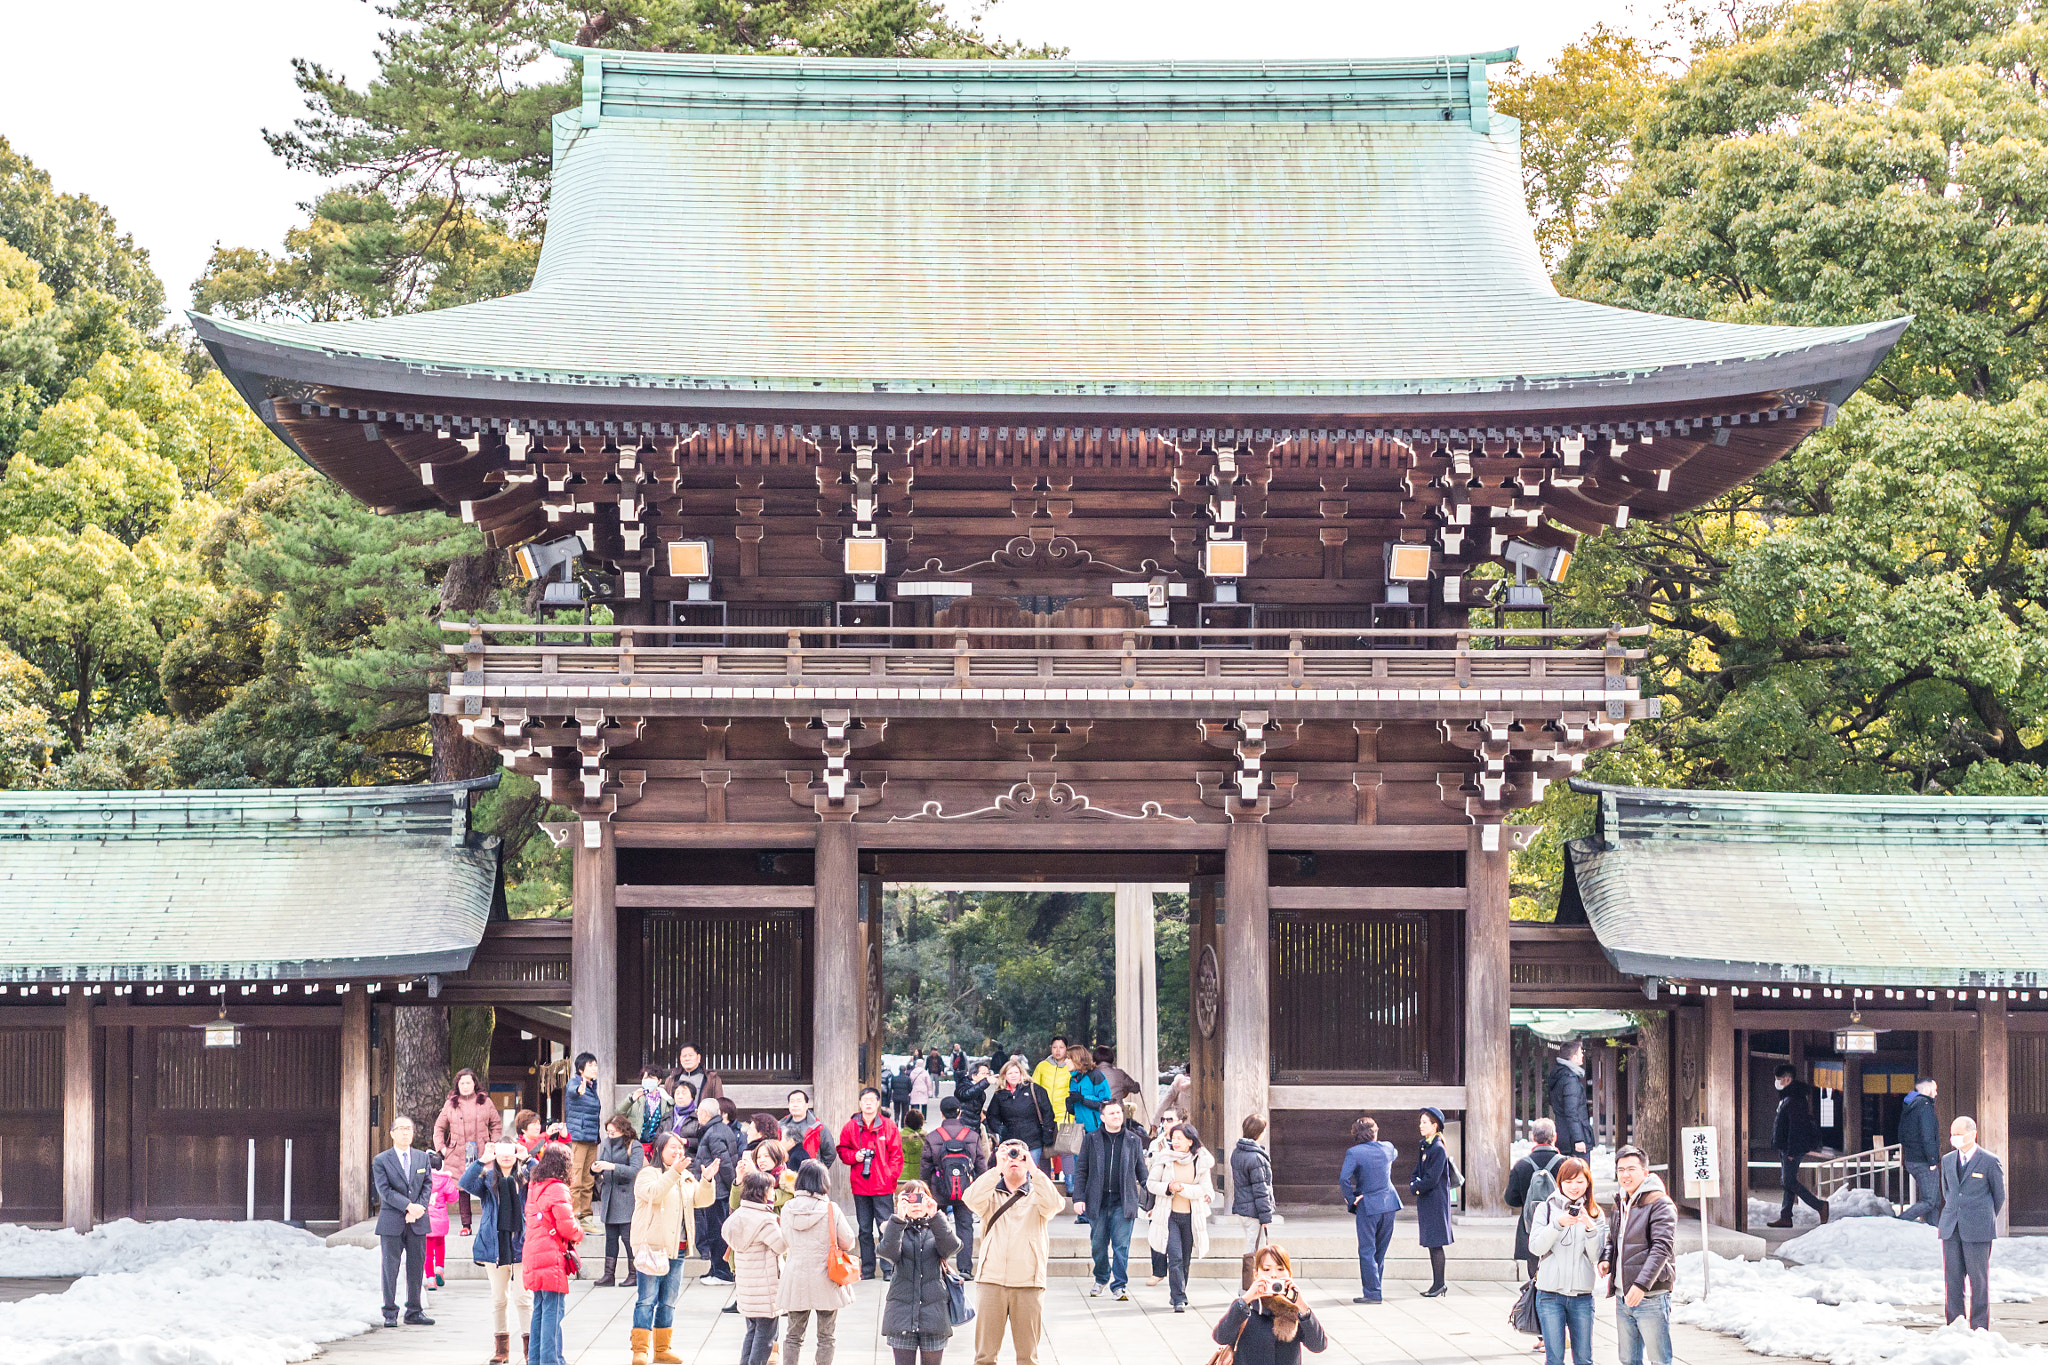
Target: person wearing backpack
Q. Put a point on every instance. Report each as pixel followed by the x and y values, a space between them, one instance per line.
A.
pixel 1434 1179
pixel 1533 1180
pixel 1369 1193
pixel 953 1157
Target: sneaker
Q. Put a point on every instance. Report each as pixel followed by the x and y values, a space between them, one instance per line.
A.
pixel 1123 1295
pixel 1095 1290
pixel 1180 1308
pixel 1363 1299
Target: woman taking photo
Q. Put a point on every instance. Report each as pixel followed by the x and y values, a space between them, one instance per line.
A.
pixel 811 1226
pixel 1181 1188
pixel 663 1196
pixel 1568 1233
pixel 755 1235
pixel 1269 1324
pixel 618 1165
pixel 918 1242
pixel 551 1231
pixel 498 1179
pixel 1431 1184
pixel 468 1122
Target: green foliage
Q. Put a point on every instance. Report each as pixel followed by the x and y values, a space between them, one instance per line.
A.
pixel 537 874
pixel 73 241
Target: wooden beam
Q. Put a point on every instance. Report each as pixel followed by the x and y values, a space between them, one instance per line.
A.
pixel 355 1108
pixel 509 992
pixel 594 957
pixel 839 986
pixel 1994 1128
pixel 1364 1099
pixel 1295 838
pixel 1041 834
pixel 1247 978
pixel 80 1133
pixel 1034 834
pixel 1906 1021
pixel 681 834
pixel 1717 1102
pixel 1489 1063
pixel 262 1016
pixel 716 897
pixel 1368 897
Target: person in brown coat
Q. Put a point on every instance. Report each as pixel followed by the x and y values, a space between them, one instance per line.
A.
pixel 468 1123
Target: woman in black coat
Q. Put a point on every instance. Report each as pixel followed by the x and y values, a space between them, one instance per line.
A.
pixel 1021 1111
pixel 1269 1324
pixel 918 1243
pixel 1432 1186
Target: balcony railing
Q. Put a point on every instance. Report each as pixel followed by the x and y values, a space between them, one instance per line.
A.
pixel 978 657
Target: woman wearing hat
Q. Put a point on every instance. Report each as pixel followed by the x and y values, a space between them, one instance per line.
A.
pixel 1432 1183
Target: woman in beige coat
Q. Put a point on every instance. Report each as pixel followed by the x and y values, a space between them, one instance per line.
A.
pixel 754 1234
pixel 810 1222
pixel 663 1195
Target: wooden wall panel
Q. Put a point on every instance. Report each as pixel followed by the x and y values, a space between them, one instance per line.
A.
pixel 1351 997
pixel 737 983
pixel 31 1122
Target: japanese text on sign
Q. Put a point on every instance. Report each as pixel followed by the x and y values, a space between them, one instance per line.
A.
pixel 1700 1158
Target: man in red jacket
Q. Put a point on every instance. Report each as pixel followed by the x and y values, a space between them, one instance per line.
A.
pixel 873 1152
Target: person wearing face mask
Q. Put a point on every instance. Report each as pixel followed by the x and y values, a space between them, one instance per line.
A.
pixel 1972 1197
pixel 1794 1134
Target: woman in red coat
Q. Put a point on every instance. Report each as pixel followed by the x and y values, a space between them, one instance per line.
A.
pixel 544 1265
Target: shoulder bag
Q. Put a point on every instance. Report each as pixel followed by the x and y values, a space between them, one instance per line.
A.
pixel 957 1311
pixel 840 1266
pixel 1522 1315
pixel 988 1226
pixel 1227 1355
pixel 1067 1142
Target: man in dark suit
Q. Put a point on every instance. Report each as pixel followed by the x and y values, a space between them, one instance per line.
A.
pixel 1972 1197
pixel 401 1178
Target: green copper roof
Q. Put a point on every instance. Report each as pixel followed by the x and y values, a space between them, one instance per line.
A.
pixel 336 882
pixel 1817 889
pixel 814 227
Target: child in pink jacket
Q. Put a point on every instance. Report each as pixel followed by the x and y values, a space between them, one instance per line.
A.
pixel 445 1192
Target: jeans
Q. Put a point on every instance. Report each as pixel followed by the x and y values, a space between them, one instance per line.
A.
pixel 1795 1188
pixel 656 1306
pixel 871 1211
pixel 760 1336
pixel 1375 1235
pixel 1109 1238
pixel 799 1322
pixel 1180 1249
pixel 1644 1332
pixel 545 1348
pixel 1560 1313
pixel 1926 1205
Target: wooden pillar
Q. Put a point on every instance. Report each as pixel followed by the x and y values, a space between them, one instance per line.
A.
pixel 1137 992
pixel 1489 1060
pixel 355 1106
pixel 79 1128
pixel 1993 1128
pixel 1717 1098
pixel 594 950
pixel 839 987
pixel 1247 983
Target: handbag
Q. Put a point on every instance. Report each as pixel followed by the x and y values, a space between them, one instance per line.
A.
pixel 957 1311
pixel 571 1266
pixel 1265 1235
pixel 840 1266
pixel 1522 1315
pixel 650 1261
pixel 1227 1355
pixel 1068 1140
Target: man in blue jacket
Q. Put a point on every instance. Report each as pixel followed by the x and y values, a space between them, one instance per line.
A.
pixel 1920 1151
pixel 1972 1197
pixel 585 1114
pixel 1368 1188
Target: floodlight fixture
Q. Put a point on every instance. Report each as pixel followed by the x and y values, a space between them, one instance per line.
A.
pixel 690 560
pixel 1546 563
pixel 1406 562
pixel 542 558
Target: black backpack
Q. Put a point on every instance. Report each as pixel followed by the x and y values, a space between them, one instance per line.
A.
pixel 956 1166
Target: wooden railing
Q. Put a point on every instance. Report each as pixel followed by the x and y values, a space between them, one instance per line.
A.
pixel 504 653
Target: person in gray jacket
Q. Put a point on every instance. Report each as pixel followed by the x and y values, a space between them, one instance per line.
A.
pixel 1972 1197
pixel 1568 1238
pixel 1251 1182
pixel 619 1159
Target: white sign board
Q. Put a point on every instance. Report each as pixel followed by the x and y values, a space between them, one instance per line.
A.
pixel 1699 1154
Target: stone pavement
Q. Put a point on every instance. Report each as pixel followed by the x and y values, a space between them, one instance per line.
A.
pixel 1466 1327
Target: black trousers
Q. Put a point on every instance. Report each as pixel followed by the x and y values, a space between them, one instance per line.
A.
pixel 963 1226
pixel 410 1247
pixel 711 1238
pixel 871 1211
pixel 1969 1262
pixel 1795 1188
pixel 1926 1205
pixel 1180 1249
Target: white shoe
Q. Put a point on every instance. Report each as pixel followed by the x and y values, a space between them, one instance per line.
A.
pixel 1095 1290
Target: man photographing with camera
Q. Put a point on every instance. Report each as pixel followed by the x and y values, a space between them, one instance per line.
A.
pixel 1015 1201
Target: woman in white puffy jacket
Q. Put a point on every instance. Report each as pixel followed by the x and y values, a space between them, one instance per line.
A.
pixel 1568 1232
pixel 1182 1187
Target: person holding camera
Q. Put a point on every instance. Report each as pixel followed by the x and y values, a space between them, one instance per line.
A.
pixel 1269 1324
pixel 1568 1237
pixel 873 1152
pixel 1015 1200
pixel 497 1176
pixel 916 1242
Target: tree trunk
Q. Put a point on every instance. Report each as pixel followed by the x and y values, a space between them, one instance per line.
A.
pixel 466 589
pixel 422 1058
pixel 469 1041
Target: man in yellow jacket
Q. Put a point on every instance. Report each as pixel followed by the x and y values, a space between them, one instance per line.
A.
pixel 1056 1075
pixel 1015 1202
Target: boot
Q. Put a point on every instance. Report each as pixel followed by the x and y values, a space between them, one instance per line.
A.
pixel 639 1346
pixel 605 1280
pixel 501 1353
pixel 525 1348
pixel 631 1277
pixel 662 1354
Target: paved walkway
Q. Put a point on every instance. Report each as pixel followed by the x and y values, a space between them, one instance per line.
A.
pixel 1466 1326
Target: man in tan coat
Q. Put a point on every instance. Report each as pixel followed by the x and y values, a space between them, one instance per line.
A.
pixel 1015 1202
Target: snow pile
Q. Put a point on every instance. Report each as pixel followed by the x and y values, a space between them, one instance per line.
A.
pixel 1603 1159
pixel 1888 1261
pixel 185 1293
pixel 1849 1202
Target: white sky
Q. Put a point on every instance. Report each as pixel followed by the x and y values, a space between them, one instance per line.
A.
pixel 167 132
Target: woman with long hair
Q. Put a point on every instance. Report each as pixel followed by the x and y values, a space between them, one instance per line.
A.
pixel 663 1194
pixel 551 1231
pixel 1431 1184
pixel 811 1226
pixel 918 1243
pixel 618 1165
pixel 1270 1323
pixel 1155 1144
pixel 498 1179
pixel 1568 1235
pixel 1182 1188
pixel 468 1121
pixel 755 1235
pixel 1021 1111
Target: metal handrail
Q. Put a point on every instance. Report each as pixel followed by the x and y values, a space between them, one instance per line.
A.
pixel 1880 1168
